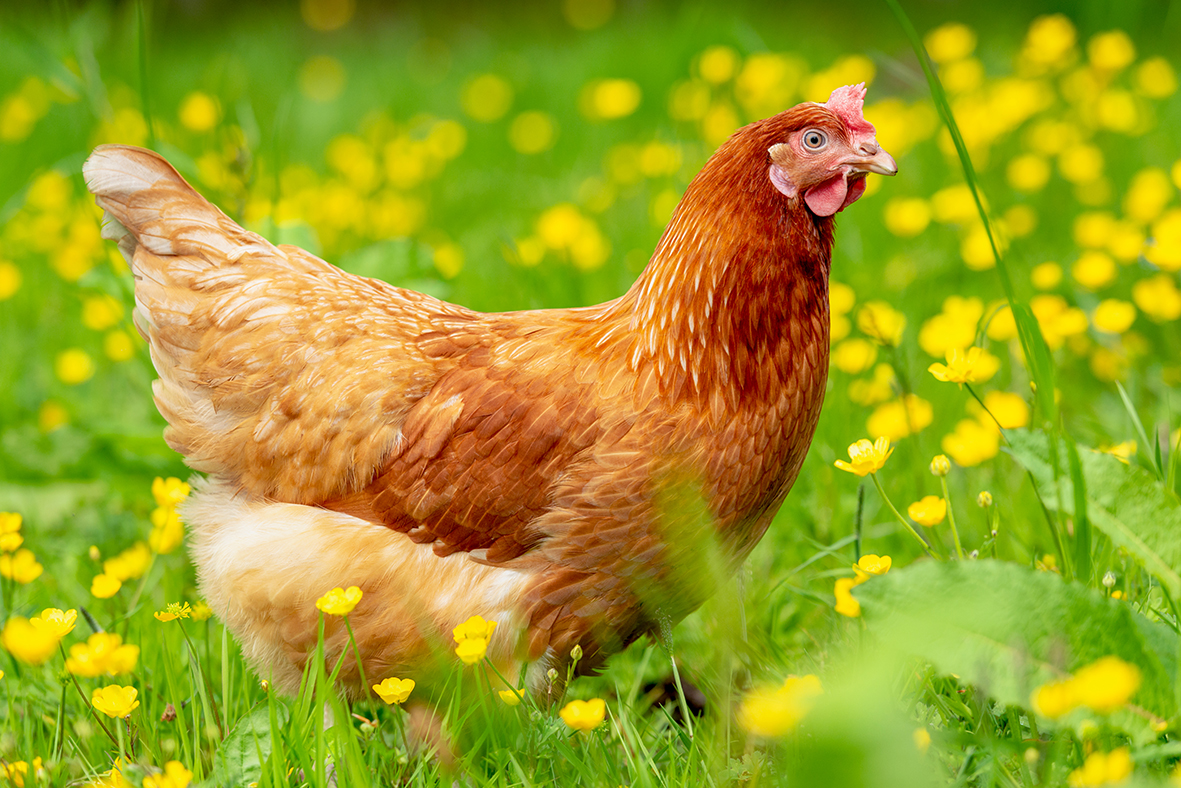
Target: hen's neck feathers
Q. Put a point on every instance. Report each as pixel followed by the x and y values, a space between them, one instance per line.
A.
pixel 738 281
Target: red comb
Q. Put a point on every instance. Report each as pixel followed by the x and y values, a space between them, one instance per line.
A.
pixel 846 104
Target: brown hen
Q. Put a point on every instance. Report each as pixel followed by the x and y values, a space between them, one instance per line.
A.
pixel 529 467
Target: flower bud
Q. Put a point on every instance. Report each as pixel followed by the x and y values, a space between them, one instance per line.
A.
pixel 974 554
pixel 94 553
pixel 940 466
pixel 984 499
pixel 576 652
pixel 552 675
pixel 1109 579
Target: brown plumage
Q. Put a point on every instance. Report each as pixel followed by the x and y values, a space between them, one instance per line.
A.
pixel 536 468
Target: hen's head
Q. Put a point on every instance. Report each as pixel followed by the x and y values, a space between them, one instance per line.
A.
pixel 828 151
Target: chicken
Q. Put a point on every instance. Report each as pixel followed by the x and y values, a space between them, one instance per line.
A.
pixel 549 470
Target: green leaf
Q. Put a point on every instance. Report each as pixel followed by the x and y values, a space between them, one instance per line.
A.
pixel 1008 629
pixel 247 747
pixel 1123 501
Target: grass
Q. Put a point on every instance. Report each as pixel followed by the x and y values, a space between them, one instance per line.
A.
pixel 541 185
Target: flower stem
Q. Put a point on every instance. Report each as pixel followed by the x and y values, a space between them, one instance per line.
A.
pixel 926 547
pixel 86 701
pixel 361 668
pixel 205 682
pixel 955 534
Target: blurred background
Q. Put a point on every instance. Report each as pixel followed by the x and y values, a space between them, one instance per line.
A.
pixel 529 156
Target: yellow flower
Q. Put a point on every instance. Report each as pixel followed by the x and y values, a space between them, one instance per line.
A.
pixel 103 653
pixel 867 457
pixel 840 298
pixel 169 492
pixel 975 366
pixel 984 499
pixel 1121 451
pixel 1106 684
pixel 511 697
pixel 610 98
pixel 1113 316
pixel 10 279
pixel 971 443
pixel 1111 51
pixel 100 312
pixel 922 739
pixel 27 642
pixel 1009 409
pixel 338 601
pixel 129 564
pixel 950 42
pixel 10 542
pixel 1054 699
pixel 772 712
pixel 199 112
pixel 201 611
pixel 103 586
pixel 882 322
pixel 175 775
pixel 871 564
pixel 940 465
pixel 20 566
pixel 898 418
pixel 1028 172
pixel 175 610
pixel 74 366
pixel 1102 769
pixel 929 511
pixel 584 715
pixel 18 771
pixel 906 217
pixel 10 525
pixel 394 690
pixel 1158 298
pixel 471 650
pixel 1148 194
pixel 115 701
pixel 167 530
pixel 59 622
pixel 475 628
pixel 854 356
pixel 533 132
pixel 846 603
pixel 1094 270
pixel 1046 275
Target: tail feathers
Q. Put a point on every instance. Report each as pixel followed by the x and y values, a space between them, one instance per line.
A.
pixel 148 200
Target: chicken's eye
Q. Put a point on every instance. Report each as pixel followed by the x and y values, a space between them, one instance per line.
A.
pixel 814 139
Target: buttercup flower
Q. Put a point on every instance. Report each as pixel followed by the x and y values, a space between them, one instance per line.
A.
pixel 974 366
pixel 471 650
pixel 584 715
pixel 929 511
pixel 59 622
pixel 17 772
pixel 511 697
pixel 394 690
pixel 169 492
pixel 10 538
pixel 847 604
pixel 774 711
pixel 338 601
pixel 115 701
pixel 175 775
pixel 871 564
pixel 28 643
pixel 104 586
pixel 1102 768
pixel 866 457
pixel 103 653
pixel 201 611
pixel 174 611
pixel 940 465
pixel 475 628
pixel 20 566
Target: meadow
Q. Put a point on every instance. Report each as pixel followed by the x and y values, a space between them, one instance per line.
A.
pixel 974 581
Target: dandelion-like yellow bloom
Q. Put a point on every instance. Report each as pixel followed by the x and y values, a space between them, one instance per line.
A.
pixel 174 611
pixel 27 642
pixel 866 457
pixel 339 601
pixel 846 603
pixel 103 654
pixel 20 566
pixel 871 564
pixel 115 701
pixel 103 586
pixel 1102 768
pixel 175 775
pixel 928 511
pixel 170 492
pixel 59 622
pixel 975 366
pixel 584 715
pixel 1106 684
pixel 772 712
pixel 394 690
pixel 475 628
pixel 510 697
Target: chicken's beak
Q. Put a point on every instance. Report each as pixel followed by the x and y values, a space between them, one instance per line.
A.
pixel 873 158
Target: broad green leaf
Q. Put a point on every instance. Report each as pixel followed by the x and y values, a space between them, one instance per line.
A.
pixel 246 748
pixel 1008 629
pixel 1123 501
